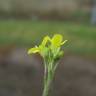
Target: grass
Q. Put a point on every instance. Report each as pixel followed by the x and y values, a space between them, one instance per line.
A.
pixel 81 37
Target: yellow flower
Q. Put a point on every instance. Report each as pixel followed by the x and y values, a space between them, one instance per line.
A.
pixel 48 45
pixel 56 41
pixel 33 50
pixel 45 40
pixel 42 49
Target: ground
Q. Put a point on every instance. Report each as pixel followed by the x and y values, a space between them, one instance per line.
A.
pixel 22 75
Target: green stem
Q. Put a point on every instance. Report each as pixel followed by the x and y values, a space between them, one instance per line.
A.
pixel 45 72
pixel 47 79
pixel 46 88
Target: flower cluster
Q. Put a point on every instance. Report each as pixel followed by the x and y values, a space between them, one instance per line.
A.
pixel 49 48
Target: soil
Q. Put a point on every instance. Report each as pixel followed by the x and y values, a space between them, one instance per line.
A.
pixel 21 75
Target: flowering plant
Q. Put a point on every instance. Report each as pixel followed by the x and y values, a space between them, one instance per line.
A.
pixel 49 49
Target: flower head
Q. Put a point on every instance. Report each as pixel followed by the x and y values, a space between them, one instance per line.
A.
pixel 57 40
pixel 49 46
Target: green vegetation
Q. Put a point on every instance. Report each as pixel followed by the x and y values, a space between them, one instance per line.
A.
pixel 82 37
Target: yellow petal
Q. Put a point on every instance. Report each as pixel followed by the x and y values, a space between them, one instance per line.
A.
pixel 33 50
pixel 56 40
pixel 45 40
pixel 64 42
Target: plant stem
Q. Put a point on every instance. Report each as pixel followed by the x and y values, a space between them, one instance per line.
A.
pixel 46 88
pixel 47 79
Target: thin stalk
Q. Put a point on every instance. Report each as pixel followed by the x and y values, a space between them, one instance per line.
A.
pixel 45 72
pixel 48 77
pixel 46 88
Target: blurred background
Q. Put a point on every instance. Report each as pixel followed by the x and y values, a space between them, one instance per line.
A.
pixel 23 24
